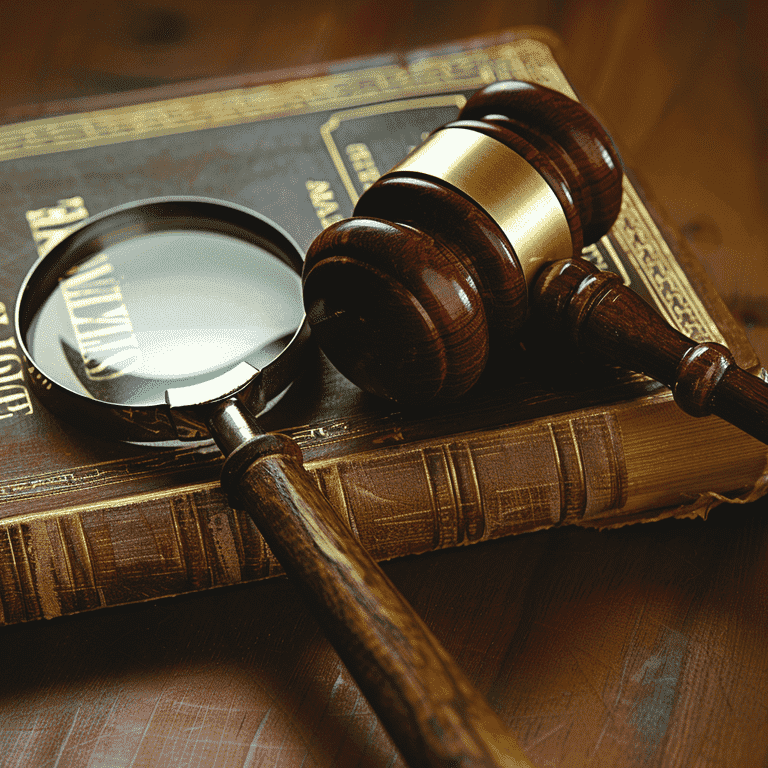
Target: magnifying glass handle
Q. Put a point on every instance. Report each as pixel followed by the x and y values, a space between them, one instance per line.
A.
pixel 432 712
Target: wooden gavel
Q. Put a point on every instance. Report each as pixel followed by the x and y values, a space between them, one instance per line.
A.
pixel 478 232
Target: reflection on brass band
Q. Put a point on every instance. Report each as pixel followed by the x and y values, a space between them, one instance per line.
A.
pixel 504 185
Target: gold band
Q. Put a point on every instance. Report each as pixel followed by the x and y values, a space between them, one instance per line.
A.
pixel 508 188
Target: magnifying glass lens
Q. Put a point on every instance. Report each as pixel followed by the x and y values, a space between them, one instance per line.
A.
pixel 162 310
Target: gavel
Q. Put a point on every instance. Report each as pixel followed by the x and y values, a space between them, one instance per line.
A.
pixel 478 234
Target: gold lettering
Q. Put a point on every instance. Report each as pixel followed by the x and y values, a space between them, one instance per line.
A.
pixel 89 270
pixel 3 314
pixel 14 397
pixel 323 201
pixel 7 363
pixel 66 212
pixel 362 161
pixel 105 337
pixel 51 225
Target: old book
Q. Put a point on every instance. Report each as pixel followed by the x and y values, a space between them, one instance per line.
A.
pixel 88 522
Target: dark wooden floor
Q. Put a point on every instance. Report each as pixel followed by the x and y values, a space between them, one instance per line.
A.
pixel 683 86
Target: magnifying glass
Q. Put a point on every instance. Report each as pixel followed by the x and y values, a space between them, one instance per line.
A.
pixel 181 319
pixel 160 305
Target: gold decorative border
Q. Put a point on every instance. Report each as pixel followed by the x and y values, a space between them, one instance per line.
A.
pixel 73 510
pixel 459 71
pixel 337 118
pixel 592 253
pixel 636 232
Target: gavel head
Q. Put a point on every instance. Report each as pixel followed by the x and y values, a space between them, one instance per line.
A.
pixel 405 297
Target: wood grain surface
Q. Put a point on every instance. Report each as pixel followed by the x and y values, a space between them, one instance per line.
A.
pixel 406 307
pixel 645 646
pixel 593 313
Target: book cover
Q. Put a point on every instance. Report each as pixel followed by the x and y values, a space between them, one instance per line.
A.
pixel 86 522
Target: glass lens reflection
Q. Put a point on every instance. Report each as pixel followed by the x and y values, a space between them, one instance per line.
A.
pixel 164 310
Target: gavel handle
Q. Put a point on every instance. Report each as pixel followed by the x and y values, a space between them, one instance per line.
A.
pixel 432 712
pixel 599 317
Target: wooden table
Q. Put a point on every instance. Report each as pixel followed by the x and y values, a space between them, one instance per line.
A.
pixel 642 646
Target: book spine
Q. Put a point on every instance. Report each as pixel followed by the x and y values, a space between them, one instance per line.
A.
pixel 591 468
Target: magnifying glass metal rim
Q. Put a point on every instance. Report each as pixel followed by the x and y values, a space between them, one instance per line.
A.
pixel 174 419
